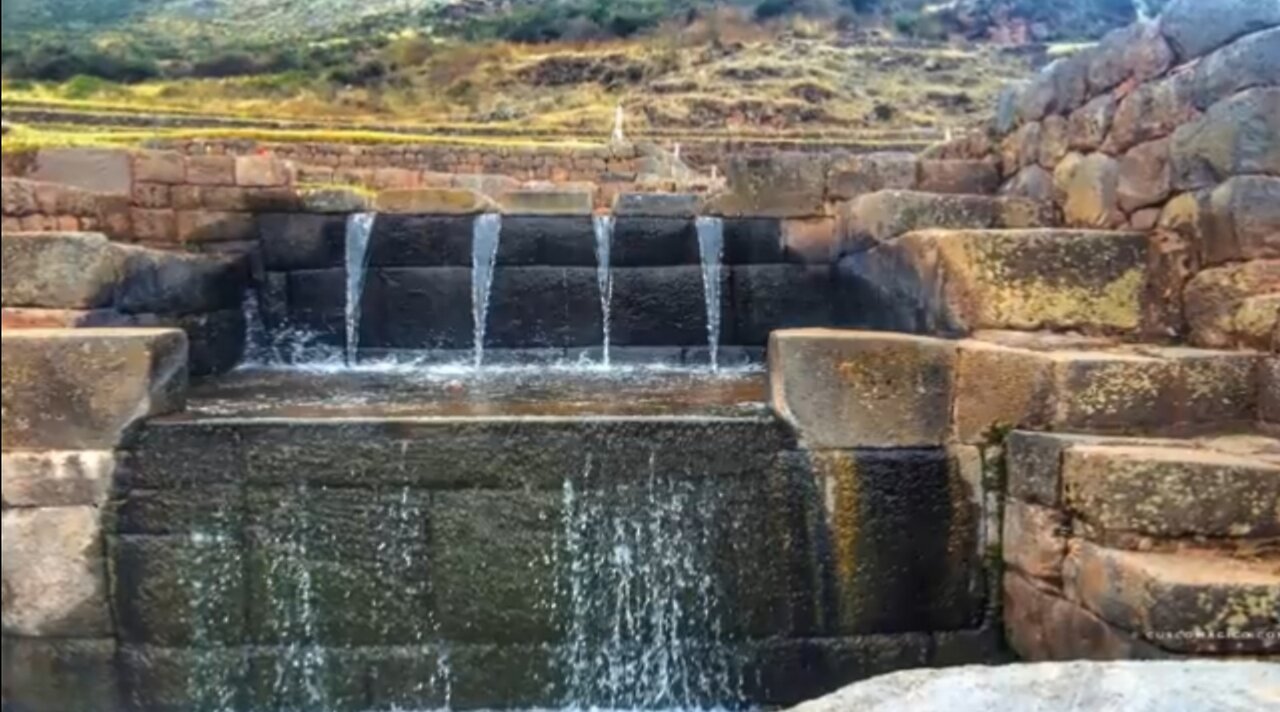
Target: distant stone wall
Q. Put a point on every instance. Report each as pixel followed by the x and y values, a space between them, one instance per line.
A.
pixel 155 198
pixel 1172 127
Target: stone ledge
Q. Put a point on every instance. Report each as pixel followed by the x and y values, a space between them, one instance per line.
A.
pixel 81 389
pixel 845 389
pixel 958 281
pixel 1104 390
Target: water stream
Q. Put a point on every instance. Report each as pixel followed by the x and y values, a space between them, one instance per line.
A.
pixel 359 227
pixel 603 225
pixel 711 248
pixel 642 620
pixel 486 232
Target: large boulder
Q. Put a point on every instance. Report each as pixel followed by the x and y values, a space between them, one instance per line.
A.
pixel 1138 52
pixel 1241 221
pixel 1196 27
pixel 1254 61
pixel 82 389
pixel 1237 136
pixel 1182 686
pixel 57 270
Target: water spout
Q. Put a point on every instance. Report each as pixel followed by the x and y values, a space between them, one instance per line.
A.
pixel 485 234
pixel 359 227
pixel 603 225
pixel 711 249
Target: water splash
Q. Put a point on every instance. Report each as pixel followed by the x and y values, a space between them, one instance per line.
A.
pixel 1144 10
pixel 359 227
pixel 711 248
pixel 643 622
pixel 486 232
pixel 603 225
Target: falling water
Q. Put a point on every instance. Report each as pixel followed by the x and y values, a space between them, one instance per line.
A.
pixel 643 627
pixel 603 225
pixel 212 683
pixel 359 227
pixel 486 231
pixel 711 248
pixel 300 666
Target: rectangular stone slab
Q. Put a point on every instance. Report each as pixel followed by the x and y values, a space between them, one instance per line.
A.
pixel 82 389
pixel 844 389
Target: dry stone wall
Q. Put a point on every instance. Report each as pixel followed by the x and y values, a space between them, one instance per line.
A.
pixel 1173 127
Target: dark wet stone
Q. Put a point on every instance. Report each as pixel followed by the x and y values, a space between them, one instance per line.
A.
pixel 186 455
pixel 547 240
pixel 653 241
pixel 180 591
pixel 421 241
pixel 872 576
pixel 353 559
pixel 492 559
pixel 160 679
pixel 778 296
pixel 663 306
pixel 533 307
pixel 51 675
pixel 302 241
pixel 753 241
pixel 417 308
pixel 160 282
pixel 215 341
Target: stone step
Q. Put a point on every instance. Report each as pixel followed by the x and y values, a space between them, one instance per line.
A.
pixel 1123 484
pixel 1150 490
pixel 1189 601
pixel 1131 390
pixel 898 390
pixel 877 217
pixel 958 281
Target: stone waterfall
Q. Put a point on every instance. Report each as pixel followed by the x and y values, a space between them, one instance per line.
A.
pixel 643 627
pixel 359 228
pixel 602 225
pixel 486 233
pixel 711 248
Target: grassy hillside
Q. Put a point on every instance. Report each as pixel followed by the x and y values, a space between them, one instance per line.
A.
pixel 679 67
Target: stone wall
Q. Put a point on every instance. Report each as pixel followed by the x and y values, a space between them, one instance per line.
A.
pixel 65 280
pixel 1110 530
pixel 70 399
pixel 1172 127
